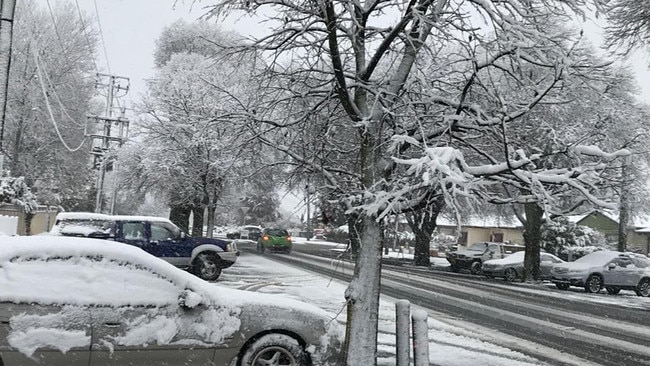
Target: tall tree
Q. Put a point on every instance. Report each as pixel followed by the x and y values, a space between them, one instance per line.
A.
pixel 362 64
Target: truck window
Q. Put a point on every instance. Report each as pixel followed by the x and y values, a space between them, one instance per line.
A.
pixel 164 231
pixel 133 230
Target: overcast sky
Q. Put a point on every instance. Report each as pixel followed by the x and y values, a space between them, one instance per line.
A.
pixel 130 28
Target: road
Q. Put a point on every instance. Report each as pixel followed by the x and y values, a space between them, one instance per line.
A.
pixel 560 327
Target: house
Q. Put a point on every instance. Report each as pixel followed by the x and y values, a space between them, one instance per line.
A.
pixel 486 228
pixel 638 235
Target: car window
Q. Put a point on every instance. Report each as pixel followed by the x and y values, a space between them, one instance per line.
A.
pixel 641 262
pixel 83 227
pixel 83 281
pixel 546 258
pixel 622 262
pixel 133 230
pixel 164 231
pixel 277 232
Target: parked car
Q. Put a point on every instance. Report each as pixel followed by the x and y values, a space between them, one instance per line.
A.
pixel 204 257
pixel 609 269
pixel 232 233
pixel 473 257
pixel 78 301
pixel 250 232
pixel 274 239
pixel 511 267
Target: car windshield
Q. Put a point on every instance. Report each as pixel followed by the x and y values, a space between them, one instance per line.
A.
pixel 478 247
pixel 277 232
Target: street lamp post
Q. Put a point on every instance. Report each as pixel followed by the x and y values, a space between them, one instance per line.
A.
pixel 309 191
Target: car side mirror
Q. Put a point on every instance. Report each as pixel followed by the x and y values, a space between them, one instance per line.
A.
pixel 611 266
pixel 189 299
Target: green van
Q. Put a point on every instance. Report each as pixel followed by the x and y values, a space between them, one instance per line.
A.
pixel 274 239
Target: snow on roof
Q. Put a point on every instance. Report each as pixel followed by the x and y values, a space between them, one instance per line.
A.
pixel 484 221
pixel 103 217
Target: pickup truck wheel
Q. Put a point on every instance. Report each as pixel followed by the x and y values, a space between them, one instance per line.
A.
pixel 613 290
pixel 594 284
pixel 562 286
pixel 207 266
pixel 476 268
pixel 510 275
pixel 643 288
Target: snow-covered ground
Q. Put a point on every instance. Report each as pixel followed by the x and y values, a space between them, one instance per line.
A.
pixel 449 344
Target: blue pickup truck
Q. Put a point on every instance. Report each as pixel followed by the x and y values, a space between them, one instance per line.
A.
pixel 204 257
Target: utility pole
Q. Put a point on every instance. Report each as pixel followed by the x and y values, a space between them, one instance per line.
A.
pixel 7 8
pixel 103 142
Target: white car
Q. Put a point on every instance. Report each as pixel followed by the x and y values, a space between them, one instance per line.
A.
pixel 68 301
pixel 609 269
pixel 511 267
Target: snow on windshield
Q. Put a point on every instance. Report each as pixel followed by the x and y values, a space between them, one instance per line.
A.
pixel 516 257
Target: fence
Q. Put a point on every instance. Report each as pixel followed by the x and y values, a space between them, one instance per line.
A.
pixel 8 225
pixel 42 221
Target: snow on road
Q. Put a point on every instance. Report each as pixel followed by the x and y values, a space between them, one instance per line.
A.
pixel 449 344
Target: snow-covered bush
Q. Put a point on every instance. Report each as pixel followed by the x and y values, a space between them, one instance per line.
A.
pixel 16 192
pixel 560 236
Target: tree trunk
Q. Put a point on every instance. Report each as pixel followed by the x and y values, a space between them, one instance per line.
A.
pixel 423 223
pixel 532 236
pixel 197 223
pixel 624 207
pixel 210 219
pixel 363 298
pixel 180 215
pixel 28 223
pixel 355 226
pixel 6 36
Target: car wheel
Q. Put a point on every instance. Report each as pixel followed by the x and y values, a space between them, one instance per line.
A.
pixel 455 268
pixel 594 284
pixel 207 266
pixel 643 288
pixel 274 349
pixel 562 286
pixel 613 290
pixel 510 275
pixel 475 268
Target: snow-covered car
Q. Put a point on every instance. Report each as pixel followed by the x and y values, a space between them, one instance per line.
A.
pixel 609 269
pixel 250 232
pixel 204 257
pixel 473 257
pixel 511 267
pixel 79 301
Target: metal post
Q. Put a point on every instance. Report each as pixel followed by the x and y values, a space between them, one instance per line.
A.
pixel 308 188
pixel 402 332
pixel 7 9
pixel 420 338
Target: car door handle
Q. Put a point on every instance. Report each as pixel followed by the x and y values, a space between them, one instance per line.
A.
pixel 113 324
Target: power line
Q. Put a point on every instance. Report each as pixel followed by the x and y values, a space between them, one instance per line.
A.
pixel 49 107
pixel 83 28
pixel 101 35
pixel 56 28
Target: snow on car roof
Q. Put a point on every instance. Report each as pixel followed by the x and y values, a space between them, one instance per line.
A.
pixel 599 258
pixel 100 217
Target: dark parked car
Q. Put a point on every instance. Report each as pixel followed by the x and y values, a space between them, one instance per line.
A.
pixel 205 257
pixel 274 239
pixel 67 301
pixel 250 232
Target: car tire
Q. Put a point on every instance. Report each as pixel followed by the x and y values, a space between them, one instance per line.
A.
pixel 279 348
pixel 594 284
pixel 510 275
pixel 613 290
pixel 643 288
pixel 207 266
pixel 562 286
pixel 475 268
